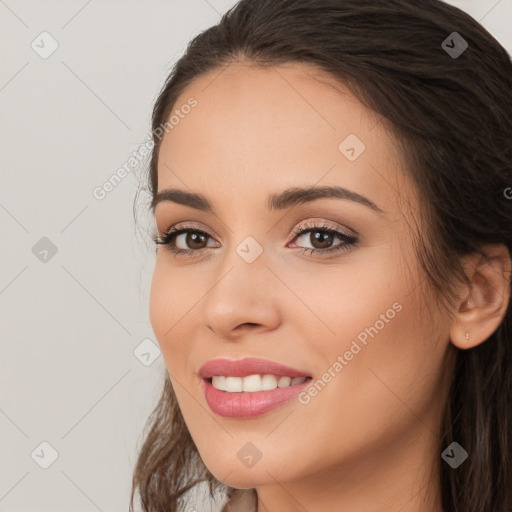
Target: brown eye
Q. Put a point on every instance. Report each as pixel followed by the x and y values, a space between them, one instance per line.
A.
pixel 195 240
pixel 321 239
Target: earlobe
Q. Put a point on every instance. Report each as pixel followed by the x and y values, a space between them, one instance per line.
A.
pixel 484 302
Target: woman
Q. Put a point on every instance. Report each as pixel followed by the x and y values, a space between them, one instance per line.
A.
pixel 331 184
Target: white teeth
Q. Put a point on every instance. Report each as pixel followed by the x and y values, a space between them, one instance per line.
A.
pixel 284 382
pixel 219 382
pixel 268 382
pixel 233 384
pixel 253 383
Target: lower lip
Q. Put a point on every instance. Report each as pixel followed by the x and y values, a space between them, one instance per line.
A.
pixel 246 404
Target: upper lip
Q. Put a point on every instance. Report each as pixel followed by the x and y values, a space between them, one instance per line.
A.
pixel 247 366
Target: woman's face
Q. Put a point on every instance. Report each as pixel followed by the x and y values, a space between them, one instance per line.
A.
pixel 354 319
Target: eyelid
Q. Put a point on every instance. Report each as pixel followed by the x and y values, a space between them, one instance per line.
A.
pixel 319 223
pixel 192 225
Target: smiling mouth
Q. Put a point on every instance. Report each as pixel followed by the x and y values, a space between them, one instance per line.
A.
pixel 254 383
pixel 245 397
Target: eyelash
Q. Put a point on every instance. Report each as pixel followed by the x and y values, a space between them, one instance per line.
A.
pixel 350 241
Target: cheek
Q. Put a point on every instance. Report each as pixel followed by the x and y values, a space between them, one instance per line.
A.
pixel 390 372
pixel 171 298
pixel 168 305
pixel 361 299
pixel 371 316
pixel 159 303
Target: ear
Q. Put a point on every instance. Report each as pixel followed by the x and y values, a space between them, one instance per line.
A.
pixel 483 303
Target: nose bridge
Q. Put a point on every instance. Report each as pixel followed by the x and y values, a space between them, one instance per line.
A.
pixel 240 291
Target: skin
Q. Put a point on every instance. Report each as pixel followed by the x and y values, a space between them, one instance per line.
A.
pixel 368 439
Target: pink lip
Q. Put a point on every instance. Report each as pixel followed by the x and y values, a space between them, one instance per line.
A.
pixel 248 405
pixel 247 366
pixel 245 404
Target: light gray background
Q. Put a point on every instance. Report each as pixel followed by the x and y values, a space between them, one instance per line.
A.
pixel 69 325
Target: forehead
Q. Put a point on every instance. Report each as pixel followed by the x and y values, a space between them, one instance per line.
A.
pixel 254 130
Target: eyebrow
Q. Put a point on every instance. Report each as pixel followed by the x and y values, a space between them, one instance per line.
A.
pixel 280 201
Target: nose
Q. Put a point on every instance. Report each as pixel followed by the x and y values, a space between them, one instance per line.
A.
pixel 242 298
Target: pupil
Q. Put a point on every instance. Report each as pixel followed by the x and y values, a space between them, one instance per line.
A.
pixel 194 237
pixel 323 238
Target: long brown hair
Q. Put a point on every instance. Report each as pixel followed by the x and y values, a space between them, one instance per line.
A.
pixel 452 118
